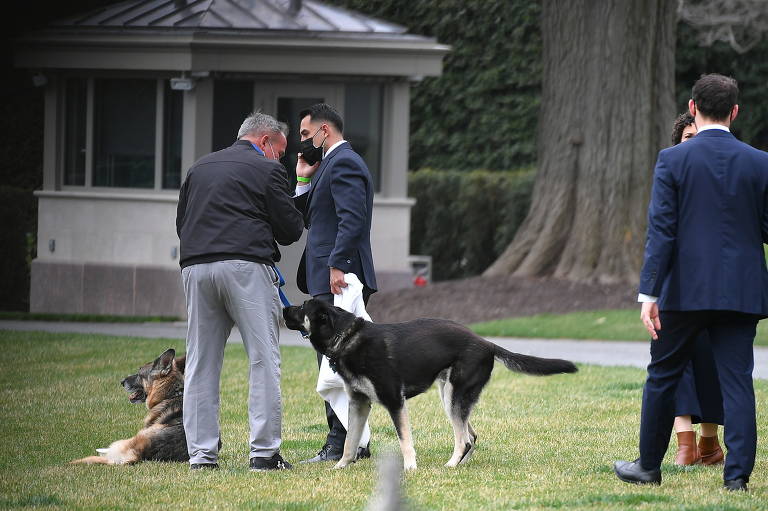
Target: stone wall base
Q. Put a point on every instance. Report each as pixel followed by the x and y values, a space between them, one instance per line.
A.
pixel 126 290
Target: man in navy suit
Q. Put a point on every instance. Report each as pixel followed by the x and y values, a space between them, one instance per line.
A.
pixel 704 269
pixel 335 192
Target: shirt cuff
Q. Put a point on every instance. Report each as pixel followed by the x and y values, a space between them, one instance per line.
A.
pixel 302 189
pixel 646 298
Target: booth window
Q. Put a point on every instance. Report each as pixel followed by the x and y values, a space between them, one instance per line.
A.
pixel 174 103
pixel 74 144
pixel 362 124
pixel 124 133
pixel 232 102
pixel 115 129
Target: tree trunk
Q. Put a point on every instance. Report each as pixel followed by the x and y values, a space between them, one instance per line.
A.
pixel 607 106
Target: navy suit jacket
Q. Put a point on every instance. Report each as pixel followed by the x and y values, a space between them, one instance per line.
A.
pixel 337 211
pixel 707 222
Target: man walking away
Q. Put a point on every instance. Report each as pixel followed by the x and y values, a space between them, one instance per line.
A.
pixel 704 270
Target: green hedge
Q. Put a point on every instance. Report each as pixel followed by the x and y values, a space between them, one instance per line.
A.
pixel 464 220
pixel 17 216
pixel 484 107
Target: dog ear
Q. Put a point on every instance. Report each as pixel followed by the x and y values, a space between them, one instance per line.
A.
pixel 330 316
pixel 164 362
pixel 181 363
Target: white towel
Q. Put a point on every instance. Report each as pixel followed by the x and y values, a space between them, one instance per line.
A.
pixel 329 384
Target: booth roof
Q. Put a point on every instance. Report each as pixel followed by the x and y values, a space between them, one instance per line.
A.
pixel 231 15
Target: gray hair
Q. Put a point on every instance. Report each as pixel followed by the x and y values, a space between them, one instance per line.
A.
pixel 258 123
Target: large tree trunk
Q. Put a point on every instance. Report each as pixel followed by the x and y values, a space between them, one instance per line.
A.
pixel 607 106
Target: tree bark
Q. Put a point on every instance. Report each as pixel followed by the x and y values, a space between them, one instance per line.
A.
pixel 607 107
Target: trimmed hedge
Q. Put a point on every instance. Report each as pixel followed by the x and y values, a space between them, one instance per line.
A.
pixel 465 220
pixel 484 107
pixel 17 216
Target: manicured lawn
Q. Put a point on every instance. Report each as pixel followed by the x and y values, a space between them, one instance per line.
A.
pixel 611 325
pixel 544 443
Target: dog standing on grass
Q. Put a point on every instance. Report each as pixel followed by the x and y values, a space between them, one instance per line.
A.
pixel 389 363
pixel 161 385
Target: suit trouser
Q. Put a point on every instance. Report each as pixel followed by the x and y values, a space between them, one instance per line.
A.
pixel 219 295
pixel 337 433
pixel 731 336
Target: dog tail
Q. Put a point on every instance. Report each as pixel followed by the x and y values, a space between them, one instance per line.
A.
pixel 532 365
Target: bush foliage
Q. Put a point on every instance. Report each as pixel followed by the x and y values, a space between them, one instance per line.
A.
pixel 18 215
pixel 749 69
pixel 464 220
pixel 482 112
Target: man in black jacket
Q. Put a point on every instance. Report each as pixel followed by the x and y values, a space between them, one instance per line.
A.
pixel 234 206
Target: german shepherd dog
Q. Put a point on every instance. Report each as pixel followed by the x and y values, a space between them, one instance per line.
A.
pixel 390 363
pixel 161 385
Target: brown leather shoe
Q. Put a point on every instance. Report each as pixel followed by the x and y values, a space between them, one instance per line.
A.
pixel 710 451
pixel 687 452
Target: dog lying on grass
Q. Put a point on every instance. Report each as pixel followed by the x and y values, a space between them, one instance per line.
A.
pixel 161 385
pixel 389 363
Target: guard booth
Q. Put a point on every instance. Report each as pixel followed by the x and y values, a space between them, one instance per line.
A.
pixel 137 91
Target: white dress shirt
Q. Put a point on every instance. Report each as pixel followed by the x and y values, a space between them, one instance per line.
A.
pixel 648 298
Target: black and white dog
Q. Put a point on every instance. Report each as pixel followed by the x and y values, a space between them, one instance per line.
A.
pixel 389 363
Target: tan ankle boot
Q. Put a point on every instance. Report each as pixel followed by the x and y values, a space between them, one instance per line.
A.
pixel 687 452
pixel 710 451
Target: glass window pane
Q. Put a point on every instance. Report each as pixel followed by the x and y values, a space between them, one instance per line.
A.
pixel 362 124
pixel 124 133
pixel 173 104
pixel 288 112
pixel 232 102
pixel 74 132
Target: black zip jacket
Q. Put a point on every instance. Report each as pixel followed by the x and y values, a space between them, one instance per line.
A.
pixel 235 204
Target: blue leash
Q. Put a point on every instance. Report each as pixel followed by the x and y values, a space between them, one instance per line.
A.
pixel 284 298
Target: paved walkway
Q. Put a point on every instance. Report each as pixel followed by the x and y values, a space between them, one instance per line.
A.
pixel 604 353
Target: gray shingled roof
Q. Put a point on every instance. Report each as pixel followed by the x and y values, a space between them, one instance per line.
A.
pixel 237 15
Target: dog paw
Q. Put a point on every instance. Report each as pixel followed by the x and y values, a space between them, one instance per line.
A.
pixel 409 466
pixel 341 464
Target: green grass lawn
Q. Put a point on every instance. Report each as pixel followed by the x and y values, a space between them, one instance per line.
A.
pixel 544 443
pixel 611 325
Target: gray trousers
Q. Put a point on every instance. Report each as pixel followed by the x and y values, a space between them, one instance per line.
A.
pixel 219 295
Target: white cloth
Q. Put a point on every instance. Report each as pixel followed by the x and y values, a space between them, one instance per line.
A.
pixel 329 384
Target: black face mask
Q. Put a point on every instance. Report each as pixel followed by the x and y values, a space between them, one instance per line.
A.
pixel 309 152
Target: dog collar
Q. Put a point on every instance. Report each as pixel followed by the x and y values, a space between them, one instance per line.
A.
pixel 342 336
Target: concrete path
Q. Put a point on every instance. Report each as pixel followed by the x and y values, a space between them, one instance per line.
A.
pixel 604 353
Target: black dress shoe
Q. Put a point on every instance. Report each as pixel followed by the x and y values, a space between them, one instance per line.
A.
pixel 276 462
pixel 327 453
pixel 203 466
pixel 739 484
pixel 363 452
pixel 632 472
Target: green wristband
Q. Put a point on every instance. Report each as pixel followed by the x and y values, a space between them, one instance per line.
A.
pixel 303 179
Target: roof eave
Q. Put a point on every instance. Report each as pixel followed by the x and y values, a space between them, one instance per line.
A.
pixel 237 51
